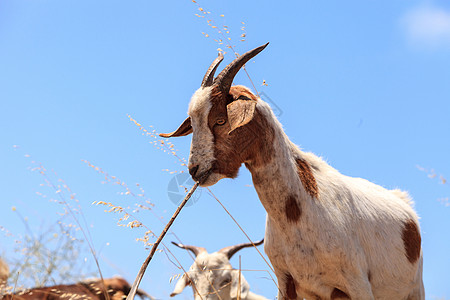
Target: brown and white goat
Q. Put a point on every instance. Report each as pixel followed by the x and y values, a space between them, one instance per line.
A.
pixel 116 288
pixel 213 277
pixel 328 235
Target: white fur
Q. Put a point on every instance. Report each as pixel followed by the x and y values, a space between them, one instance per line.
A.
pixel 215 279
pixel 202 146
pixel 353 231
pixel 353 228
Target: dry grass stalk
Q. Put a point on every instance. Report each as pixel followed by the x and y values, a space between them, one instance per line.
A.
pixel 144 266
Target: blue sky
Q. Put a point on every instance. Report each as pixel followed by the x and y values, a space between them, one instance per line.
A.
pixel 363 84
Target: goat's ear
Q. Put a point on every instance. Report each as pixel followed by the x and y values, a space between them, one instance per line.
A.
pixel 181 284
pixel 240 112
pixel 243 287
pixel 184 129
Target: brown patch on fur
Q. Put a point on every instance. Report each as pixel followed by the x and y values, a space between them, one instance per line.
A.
pixel 251 143
pixel 338 294
pixel 292 209
pixel 289 290
pixel 411 240
pixel 307 178
pixel 241 92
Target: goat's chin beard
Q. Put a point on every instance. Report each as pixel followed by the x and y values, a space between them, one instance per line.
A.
pixel 211 179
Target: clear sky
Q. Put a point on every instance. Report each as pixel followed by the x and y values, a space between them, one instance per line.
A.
pixel 364 84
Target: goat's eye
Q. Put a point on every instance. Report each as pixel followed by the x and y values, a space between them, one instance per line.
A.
pixel 225 282
pixel 220 122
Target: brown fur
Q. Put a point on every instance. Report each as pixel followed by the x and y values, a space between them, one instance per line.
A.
pixel 115 287
pixel 240 112
pixel 338 294
pixel 314 296
pixel 240 92
pixel 411 240
pixel 77 291
pixel 252 142
pixel 292 209
pixel 290 291
pixel 307 178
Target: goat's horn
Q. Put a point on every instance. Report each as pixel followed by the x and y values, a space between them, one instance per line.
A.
pixel 194 249
pixel 231 250
pixel 209 76
pixel 225 78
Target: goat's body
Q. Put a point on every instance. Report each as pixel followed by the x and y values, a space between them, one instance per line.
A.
pixel 115 288
pixel 329 236
pixel 347 237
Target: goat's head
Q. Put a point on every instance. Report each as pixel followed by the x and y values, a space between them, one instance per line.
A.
pixel 212 276
pixel 219 118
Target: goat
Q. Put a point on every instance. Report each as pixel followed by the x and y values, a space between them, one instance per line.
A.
pixel 213 277
pixel 117 288
pixel 328 236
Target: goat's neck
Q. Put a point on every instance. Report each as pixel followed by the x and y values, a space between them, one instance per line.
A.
pixel 277 180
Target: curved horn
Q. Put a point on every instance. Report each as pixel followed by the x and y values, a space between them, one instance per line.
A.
pixel 194 249
pixel 209 76
pixel 225 78
pixel 231 250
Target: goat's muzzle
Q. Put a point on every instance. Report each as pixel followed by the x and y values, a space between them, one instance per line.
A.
pixel 200 178
pixel 193 170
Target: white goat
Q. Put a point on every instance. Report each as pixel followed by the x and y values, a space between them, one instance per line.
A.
pixel 328 236
pixel 213 277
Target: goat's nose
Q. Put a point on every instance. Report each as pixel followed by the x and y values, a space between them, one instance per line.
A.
pixel 193 170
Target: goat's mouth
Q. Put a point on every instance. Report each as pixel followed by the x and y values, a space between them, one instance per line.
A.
pixel 202 178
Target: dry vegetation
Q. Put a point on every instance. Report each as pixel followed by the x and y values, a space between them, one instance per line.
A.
pixel 55 253
pixel 432 174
